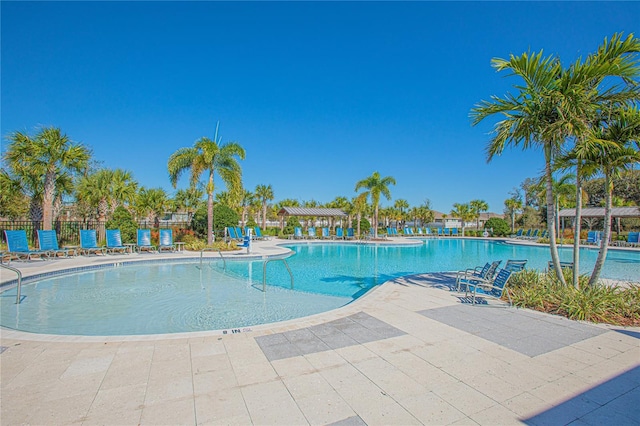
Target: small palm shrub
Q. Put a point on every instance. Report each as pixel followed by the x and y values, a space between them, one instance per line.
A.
pixel 543 292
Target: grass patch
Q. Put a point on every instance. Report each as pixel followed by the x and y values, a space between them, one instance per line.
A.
pixel 601 304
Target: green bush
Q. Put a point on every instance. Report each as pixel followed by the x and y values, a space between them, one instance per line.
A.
pixel 223 216
pixel 292 222
pixel 251 222
pixel 365 226
pixel 123 221
pixel 500 227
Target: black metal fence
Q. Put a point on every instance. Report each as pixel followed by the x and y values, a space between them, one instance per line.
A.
pixel 68 232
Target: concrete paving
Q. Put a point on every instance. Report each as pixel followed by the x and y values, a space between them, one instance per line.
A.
pixel 409 352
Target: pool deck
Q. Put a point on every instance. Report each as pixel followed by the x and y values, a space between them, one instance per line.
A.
pixel 409 352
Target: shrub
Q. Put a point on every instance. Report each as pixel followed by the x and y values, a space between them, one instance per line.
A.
pixel 123 221
pixel 292 222
pixel 365 226
pixel 251 222
pixel 500 226
pixel 223 216
pixel 599 303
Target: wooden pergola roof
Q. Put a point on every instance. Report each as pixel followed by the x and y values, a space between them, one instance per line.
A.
pixel 599 212
pixel 315 211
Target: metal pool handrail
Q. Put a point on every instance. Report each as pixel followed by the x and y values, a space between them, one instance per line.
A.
pixel 19 280
pixel 224 262
pixel 264 273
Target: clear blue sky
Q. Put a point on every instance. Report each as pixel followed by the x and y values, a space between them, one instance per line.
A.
pixel 320 95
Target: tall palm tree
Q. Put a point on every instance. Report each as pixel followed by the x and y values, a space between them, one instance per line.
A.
pixel 375 185
pixel 264 193
pixel 622 132
pixel 47 155
pixel 209 156
pixel 531 119
pixel 478 207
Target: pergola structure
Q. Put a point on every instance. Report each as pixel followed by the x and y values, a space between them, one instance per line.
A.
pixel 308 212
pixel 598 212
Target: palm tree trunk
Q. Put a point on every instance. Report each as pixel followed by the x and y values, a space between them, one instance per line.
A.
pixel 551 220
pixel 576 232
pixel 210 189
pixel 47 200
pixel 264 216
pixel 604 244
pixel 375 223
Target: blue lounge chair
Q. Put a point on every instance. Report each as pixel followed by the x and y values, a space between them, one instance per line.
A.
pixel 114 242
pixel 440 232
pixel 350 235
pixel 231 232
pixel 633 239
pixel 48 242
pixel 297 233
pixel 593 237
pixel 526 234
pixel 518 234
pixel 239 233
pixel 478 273
pixel 325 234
pixel 166 240
pixel 144 241
pixel 495 288
pixel 258 233
pixel 427 232
pixel 18 247
pixel 514 265
pixel 311 233
pixel 445 232
pixel 339 234
pixel 454 232
pixel 89 242
pixel 408 232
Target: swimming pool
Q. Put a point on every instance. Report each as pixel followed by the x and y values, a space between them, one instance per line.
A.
pixel 134 299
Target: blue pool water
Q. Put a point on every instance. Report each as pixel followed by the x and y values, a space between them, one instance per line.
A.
pixel 180 297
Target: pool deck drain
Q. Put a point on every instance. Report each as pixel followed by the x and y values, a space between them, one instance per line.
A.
pixel 407 353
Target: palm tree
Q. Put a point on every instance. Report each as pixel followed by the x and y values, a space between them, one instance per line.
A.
pixel 464 212
pixel 94 190
pixel 620 130
pixel 188 200
pixel 512 206
pixel 123 188
pixel 401 204
pixel 532 118
pixel 376 186
pixel 264 193
pixel 151 203
pixel 46 156
pixel 478 207
pixel 245 203
pixel 209 156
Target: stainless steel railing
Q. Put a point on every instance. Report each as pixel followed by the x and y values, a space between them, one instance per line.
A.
pixel 264 273
pixel 224 262
pixel 19 280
